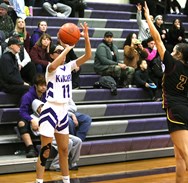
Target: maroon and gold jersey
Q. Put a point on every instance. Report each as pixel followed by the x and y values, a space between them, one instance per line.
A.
pixel 175 82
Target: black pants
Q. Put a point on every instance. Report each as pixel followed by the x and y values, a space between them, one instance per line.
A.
pixel 28 73
pixel 76 6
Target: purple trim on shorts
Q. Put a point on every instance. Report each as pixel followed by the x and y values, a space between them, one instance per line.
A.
pixel 65 121
pixel 48 117
pixel 59 128
pixel 49 110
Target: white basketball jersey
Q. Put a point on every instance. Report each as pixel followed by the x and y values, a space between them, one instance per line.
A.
pixel 59 83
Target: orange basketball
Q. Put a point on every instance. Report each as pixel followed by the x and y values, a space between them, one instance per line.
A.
pixel 69 33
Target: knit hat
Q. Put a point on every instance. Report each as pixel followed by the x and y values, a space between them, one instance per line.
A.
pixel 4 6
pixel 158 17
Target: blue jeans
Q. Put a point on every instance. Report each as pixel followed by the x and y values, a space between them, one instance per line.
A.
pixel 84 123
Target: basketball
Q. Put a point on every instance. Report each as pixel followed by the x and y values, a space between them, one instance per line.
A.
pixel 69 33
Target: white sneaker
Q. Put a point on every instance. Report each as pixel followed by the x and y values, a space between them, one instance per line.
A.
pixel 60 15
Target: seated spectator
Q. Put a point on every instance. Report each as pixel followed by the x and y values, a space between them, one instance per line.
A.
pixel 77 6
pixel 107 62
pixel 26 122
pixel 6 22
pixel 40 53
pixel 30 4
pixel 174 7
pixel 11 80
pixel 134 52
pixel 19 8
pixel 75 143
pixel 176 34
pixel 155 65
pixel 37 33
pixel 57 9
pixel 142 79
pixel 130 39
pixel 159 24
pixel 26 67
pixel 144 32
pixel 79 123
pixel 20 29
pixel 151 50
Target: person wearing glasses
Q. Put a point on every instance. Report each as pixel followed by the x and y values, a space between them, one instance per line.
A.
pixel 54 115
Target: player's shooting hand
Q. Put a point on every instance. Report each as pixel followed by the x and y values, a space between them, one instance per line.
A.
pixel 84 33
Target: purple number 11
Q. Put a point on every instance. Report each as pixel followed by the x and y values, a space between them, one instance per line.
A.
pixel 66 91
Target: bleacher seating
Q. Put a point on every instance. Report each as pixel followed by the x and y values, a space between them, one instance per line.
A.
pixel 125 127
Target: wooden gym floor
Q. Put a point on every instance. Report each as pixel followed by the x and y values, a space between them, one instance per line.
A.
pixel 160 170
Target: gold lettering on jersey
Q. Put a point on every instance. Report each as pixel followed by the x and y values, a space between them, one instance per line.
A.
pixel 183 81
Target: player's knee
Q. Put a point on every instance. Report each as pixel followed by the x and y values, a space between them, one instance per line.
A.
pixel 45 153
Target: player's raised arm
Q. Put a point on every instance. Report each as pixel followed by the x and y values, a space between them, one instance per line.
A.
pixel 88 53
pixel 154 33
pixel 60 59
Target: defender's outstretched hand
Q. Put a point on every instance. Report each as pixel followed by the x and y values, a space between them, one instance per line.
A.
pixel 146 10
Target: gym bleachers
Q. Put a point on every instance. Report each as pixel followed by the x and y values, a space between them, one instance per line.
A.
pixel 128 126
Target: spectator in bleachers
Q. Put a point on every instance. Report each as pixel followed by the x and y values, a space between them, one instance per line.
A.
pixel 107 62
pixel 6 22
pixel 133 50
pixel 30 4
pixel 130 39
pixel 77 6
pixel 159 24
pixel 37 33
pixel 75 143
pixel 155 65
pixel 176 34
pixel 20 29
pixel 144 32
pixel 174 7
pixel 19 8
pixel 10 76
pixel 57 9
pixel 40 53
pixel 79 123
pixel 142 78
pixel 151 49
pixel 26 67
pixel 37 91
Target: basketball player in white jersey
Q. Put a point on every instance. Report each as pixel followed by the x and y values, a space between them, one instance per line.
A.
pixel 53 119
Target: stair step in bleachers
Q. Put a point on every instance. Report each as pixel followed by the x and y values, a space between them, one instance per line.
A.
pixel 98 111
pixel 92 96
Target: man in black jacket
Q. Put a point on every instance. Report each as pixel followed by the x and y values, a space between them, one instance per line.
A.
pixel 10 77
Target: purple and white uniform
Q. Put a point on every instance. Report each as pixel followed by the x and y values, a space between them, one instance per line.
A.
pixel 54 117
